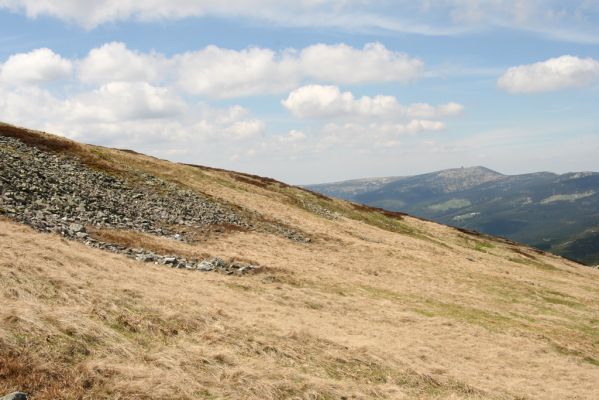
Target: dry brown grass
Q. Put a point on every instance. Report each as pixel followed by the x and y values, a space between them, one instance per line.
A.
pixel 156 244
pixel 371 319
pixel 377 307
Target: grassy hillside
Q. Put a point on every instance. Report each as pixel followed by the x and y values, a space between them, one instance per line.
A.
pixel 375 305
pixel 557 213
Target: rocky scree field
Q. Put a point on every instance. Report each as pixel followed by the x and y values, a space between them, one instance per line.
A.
pixel 316 298
pixel 55 193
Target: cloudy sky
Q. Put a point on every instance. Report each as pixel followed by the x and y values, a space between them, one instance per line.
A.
pixel 314 90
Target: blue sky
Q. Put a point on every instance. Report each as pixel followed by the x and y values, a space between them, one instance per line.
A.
pixel 314 92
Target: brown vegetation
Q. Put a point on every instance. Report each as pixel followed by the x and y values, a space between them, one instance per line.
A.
pixel 378 307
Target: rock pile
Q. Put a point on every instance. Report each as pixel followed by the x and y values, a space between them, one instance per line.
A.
pixel 56 193
pixel 211 264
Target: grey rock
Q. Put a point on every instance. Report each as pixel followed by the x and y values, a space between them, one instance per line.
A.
pixel 15 396
pixel 75 228
pixel 243 269
pixel 205 266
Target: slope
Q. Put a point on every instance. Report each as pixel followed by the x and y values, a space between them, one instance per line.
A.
pixel 363 304
pixel 557 213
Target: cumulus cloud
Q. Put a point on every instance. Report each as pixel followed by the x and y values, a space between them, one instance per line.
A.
pixel 366 136
pixel 120 97
pixel 318 101
pixel 129 114
pixel 36 67
pixel 221 72
pixel 424 110
pixel 118 101
pixel 245 129
pixel 218 72
pixel 550 75
pixel 115 62
pixel 344 64
pixel 364 123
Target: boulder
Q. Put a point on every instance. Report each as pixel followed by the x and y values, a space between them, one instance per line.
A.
pixel 15 396
pixel 75 228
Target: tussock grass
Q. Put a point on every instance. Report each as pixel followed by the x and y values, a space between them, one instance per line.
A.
pixel 97 325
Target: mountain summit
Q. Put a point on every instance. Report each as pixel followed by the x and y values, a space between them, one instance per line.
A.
pixel 126 276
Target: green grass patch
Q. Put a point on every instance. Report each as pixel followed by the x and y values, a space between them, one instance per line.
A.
pixel 471 315
pixel 381 293
pixel 483 247
pixel 450 205
pixel 534 263
pixel 562 301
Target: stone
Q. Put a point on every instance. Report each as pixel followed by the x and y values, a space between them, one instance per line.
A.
pixel 243 269
pixel 205 266
pixel 76 228
pixel 145 257
pixel 15 396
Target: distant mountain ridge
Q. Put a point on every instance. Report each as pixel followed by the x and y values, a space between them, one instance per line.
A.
pixel 558 213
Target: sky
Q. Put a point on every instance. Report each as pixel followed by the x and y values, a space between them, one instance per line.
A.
pixel 312 91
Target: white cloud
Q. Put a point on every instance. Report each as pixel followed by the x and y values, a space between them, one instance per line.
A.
pixel 318 101
pixel 91 14
pixel 569 21
pixel 221 72
pixel 124 114
pixel 246 129
pixel 553 74
pixel 115 62
pixel 367 136
pixel 36 67
pixel 110 104
pixel 344 64
pixel 424 110
pixel 383 129
pixel 226 73
pixel 572 20
pixel 218 72
pixel 293 136
pixel 119 101
pixel 120 97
